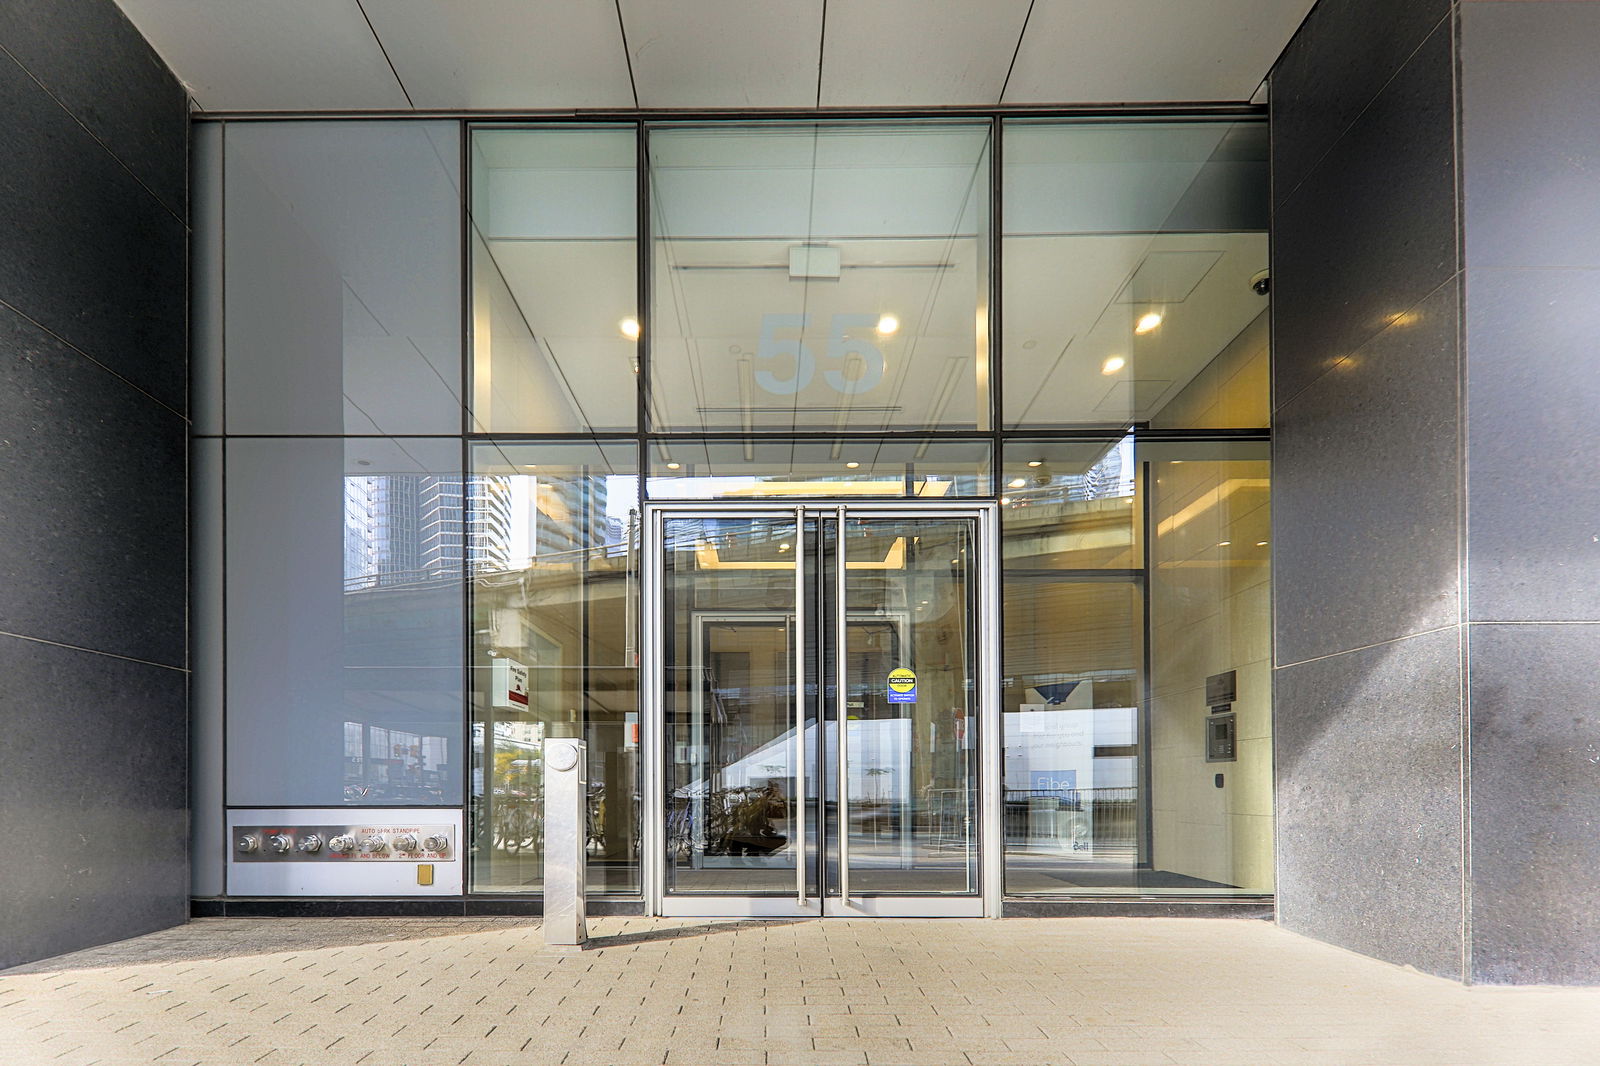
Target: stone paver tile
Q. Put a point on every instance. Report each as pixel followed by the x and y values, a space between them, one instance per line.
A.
pixel 869 1045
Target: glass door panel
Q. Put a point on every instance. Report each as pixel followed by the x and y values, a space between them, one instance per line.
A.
pixel 909 756
pixel 732 720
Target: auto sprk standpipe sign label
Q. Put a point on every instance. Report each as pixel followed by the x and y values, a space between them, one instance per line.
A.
pixel 902 686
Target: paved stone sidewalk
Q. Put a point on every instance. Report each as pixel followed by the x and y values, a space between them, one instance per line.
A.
pixel 480 992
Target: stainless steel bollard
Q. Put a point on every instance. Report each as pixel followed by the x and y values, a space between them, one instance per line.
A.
pixel 566 842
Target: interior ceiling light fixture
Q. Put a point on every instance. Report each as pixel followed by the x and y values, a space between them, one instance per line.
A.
pixel 851 465
pixel 887 324
pixel 1147 323
pixel 1017 483
pixel 673 466
pixel 630 328
pixel 1112 365
pixel 1035 462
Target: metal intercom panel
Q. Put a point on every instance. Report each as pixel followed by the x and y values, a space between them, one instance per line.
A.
pixel 1221 738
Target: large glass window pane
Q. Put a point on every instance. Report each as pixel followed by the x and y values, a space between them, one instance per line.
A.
pixel 343 255
pixel 554 292
pixel 715 469
pixel 819 276
pixel 1129 252
pixel 1210 616
pixel 344 621
pixel 554 607
pixel 1071 710
pixel 1137 702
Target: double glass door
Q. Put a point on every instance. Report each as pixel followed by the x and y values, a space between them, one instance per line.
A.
pixel 820 683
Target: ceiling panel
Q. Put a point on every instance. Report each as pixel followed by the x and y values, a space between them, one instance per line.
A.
pixel 918 52
pixel 505 54
pixel 287 55
pixel 724 53
pixel 1103 51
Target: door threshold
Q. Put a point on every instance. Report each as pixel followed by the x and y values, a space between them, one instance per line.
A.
pixel 788 907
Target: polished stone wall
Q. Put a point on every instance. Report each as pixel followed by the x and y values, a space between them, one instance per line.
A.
pixel 93 439
pixel 1530 112
pixel 1367 495
pixel 1436 296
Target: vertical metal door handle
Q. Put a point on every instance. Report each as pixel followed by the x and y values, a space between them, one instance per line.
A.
pixel 841 703
pixel 800 706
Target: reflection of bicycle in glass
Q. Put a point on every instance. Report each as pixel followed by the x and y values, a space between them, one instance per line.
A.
pixel 516 822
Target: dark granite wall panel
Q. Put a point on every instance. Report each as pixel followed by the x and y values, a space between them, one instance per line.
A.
pixel 91 255
pixel 1536 802
pixel 1372 230
pixel 1368 750
pixel 94 796
pixel 93 459
pixel 90 521
pixel 1395 481
pixel 1530 105
pixel 1366 496
pixel 1367 483
pixel 1341 57
pixel 1532 408
pixel 93 62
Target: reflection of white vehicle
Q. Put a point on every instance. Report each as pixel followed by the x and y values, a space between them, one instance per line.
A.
pixel 880 763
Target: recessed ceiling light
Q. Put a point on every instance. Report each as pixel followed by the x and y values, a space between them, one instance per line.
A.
pixel 1035 462
pixel 1005 500
pixel 1017 483
pixel 887 324
pixel 1224 543
pixel 630 328
pixel 851 465
pixel 1112 365
pixel 783 547
pixel 1261 544
pixel 1147 322
pixel 673 466
pixel 363 462
pixel 1030 344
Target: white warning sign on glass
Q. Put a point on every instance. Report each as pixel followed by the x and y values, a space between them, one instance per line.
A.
pixel 509 685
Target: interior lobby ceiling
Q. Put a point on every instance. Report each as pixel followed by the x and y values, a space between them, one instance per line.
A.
pixel 555 55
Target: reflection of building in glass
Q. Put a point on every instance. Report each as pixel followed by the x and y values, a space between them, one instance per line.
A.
pixel 568 513
pixel 403 528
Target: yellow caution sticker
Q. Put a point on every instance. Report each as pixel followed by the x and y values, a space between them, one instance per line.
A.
pixel 902 686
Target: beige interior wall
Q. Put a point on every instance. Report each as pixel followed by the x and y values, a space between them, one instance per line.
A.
pixel 1232 392
pixel 1210 611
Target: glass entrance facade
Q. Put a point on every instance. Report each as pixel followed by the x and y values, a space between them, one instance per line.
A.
pixel 466 393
